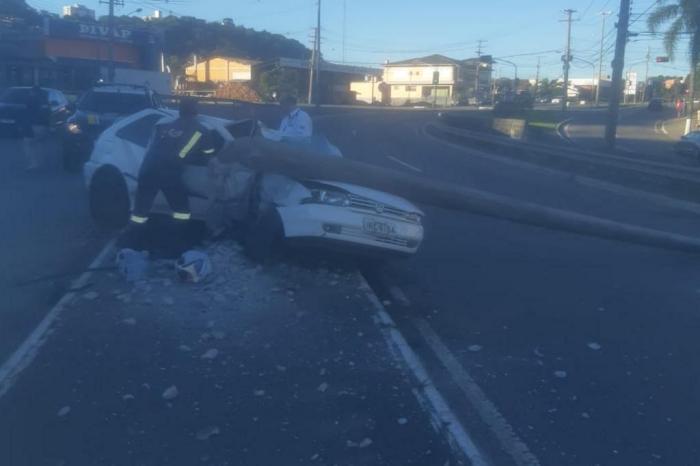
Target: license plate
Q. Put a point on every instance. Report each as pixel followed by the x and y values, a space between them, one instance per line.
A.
pixel 8 121
pixel 378 227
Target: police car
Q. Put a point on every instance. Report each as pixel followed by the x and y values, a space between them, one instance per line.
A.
pixel 303 211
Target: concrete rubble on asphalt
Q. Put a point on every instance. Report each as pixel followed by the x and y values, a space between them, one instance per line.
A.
pixel 270 364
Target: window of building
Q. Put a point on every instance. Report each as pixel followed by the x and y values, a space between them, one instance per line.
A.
pixel 410 88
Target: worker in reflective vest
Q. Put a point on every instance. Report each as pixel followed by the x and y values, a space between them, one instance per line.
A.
pixel 173 145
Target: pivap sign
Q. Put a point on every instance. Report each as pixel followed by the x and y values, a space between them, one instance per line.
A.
pixel 77 30
pixel 99 31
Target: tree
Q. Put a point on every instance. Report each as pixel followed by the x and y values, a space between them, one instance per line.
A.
pixel 684 19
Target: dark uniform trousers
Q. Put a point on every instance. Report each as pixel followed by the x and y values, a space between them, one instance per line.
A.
pixel 173 145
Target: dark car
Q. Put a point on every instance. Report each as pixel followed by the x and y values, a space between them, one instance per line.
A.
pixel 689 144
pixel 13 109
pixel 655 105
pixel 95 111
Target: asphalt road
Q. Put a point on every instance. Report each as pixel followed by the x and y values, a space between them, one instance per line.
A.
pixel 551 348
pixel 641 133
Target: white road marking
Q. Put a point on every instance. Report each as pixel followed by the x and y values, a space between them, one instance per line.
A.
pixel 443 419
pixel 24 355
pixel 509 440
pixel 405 164
pixel 663 128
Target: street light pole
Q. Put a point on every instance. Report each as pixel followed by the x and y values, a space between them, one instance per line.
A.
pixel 604 14
pixel 110 39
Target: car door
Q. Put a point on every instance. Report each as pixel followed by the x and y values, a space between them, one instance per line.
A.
pixel 132 140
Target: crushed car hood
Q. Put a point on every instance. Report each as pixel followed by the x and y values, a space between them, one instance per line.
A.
pixel 378 196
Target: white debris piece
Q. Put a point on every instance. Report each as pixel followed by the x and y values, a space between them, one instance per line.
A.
pixel 170 393
pixel 585 415
pixel 402 420
pixel 91 295
pixel 594 346
pixel 128 397
pixel 323 387
pixel 365 442
pixel 185 348
pixel 259 392
pixel 560 374
pixel 208 432
pixel 211 353
pixel 63 411
pixel 475 348
pixel 129 321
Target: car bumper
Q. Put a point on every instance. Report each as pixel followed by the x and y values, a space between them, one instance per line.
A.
pixel 337 225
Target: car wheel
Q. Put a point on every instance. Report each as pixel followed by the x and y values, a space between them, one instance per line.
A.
pixel 264 240
pixel 109 199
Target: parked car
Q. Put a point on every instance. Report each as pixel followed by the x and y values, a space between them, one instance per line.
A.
pixel 655 105
pixel 309 211
pixel 689 144
pixel 96 110
pixel 13 105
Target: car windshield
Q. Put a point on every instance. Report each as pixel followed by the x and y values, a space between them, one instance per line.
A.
pixel 123 103
pixel 15 95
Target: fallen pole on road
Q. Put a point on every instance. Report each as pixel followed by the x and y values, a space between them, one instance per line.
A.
pixel 275 157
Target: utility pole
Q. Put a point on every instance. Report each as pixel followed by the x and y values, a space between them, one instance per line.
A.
pixel 345 24
pixel 646 75
pixel 537 79
pixel 618 66
pixel 312 69
pixel 110 38
pixel 567 59
pixel 318 52
pixel 478 69
pixel 605 15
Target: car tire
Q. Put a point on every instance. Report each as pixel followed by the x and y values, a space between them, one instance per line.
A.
pixel 109 199
pixel 264 240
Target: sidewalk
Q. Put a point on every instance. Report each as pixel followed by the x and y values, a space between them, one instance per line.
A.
pixel 273 365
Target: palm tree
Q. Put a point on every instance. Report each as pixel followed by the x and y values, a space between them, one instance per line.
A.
pixel 684 19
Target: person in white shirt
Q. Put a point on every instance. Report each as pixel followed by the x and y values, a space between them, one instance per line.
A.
pixel 296 122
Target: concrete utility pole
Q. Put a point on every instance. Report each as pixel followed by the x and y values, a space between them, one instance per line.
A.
pixel 478 69
pixel 567 59
pixel 318 52
pixel 604 14
pixel 345 24
pixel 537 79
pixel 618 66
pixel 646 75
pixel 312 69
pixel 110 38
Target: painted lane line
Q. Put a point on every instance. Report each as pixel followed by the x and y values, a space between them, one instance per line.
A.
pixel 442 418
pixel 663 128
pixel 508 439
pixel 25 354
pixel 405 164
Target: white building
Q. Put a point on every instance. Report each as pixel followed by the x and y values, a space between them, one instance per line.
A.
pixel 78 11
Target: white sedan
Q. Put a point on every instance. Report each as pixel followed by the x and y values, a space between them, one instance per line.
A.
pixel 314 211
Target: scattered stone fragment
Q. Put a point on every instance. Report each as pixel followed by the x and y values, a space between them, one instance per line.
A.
pixel 185 348
pixel 129 321
pixel 168 300
pixel 259 392
pixel 208 432
pixel 128 397
pixel 211 353
pixel 323 387
pixel 594 346
pixel 63 411
pixel 402 420
pixel 170 393
pixel 475 348
pixel 560 374
pixel 91 295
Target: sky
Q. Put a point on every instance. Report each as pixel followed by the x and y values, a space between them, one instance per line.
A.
pixel 374 31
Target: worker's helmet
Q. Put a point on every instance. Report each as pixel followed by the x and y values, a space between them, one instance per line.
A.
pixel 193 266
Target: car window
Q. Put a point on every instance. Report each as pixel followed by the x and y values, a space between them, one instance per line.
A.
pixel 139 131
pixel 113 102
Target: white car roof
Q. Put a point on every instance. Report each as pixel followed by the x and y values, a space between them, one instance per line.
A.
pixel 120 90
